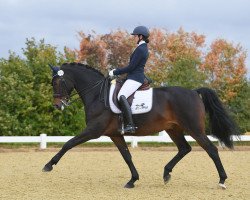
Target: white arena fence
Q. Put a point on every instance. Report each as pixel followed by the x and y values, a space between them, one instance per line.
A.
pixel 43 139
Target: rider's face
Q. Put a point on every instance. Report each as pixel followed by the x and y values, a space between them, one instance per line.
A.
pixel 136 38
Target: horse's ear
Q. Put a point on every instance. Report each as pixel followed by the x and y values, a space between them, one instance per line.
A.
pixel 54 69
pixel 50 66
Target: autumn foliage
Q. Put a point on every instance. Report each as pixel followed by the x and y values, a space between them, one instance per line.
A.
pixel 180 58
pixel 224 65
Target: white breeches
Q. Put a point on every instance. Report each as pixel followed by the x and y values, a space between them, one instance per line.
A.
pixel 128 88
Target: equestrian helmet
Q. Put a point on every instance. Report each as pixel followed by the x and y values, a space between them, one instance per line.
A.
pixel 141 30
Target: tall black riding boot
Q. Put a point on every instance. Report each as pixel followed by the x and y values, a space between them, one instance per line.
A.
pixel 126 111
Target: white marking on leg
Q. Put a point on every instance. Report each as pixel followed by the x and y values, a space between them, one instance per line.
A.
pixel 222 186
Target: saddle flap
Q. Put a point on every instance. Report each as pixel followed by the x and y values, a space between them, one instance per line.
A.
pixel 141 101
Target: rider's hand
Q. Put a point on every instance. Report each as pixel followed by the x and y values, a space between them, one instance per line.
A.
pixel 111 73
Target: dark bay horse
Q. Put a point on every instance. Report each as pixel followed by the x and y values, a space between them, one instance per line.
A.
pixel 175 109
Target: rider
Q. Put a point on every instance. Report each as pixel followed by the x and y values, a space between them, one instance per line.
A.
pixel 135 71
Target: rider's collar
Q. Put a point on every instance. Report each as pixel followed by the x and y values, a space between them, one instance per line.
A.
pixel 141 42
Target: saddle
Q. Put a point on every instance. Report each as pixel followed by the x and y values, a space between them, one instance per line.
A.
pixel 119 84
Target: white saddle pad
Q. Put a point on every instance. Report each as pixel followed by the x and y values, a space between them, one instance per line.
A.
pixel 142 102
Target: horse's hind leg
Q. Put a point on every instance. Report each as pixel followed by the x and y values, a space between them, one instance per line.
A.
pixel 183 149
pixel 212 151
pixel 123 148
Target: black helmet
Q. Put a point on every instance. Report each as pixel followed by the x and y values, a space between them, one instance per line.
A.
pixel 141 30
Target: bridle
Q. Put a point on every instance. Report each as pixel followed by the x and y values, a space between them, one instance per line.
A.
pixel 65 96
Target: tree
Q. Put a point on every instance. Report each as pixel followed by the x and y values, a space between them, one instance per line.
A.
pixel 178 58
pixel 26 94
pixel 16 96
pixel 92 51
pixel 175 58
pixel 118 48
pixel 225 67
pixel 240 107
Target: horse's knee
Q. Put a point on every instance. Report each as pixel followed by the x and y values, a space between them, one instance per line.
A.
pixel 67 146
pixel 188 149
pixel 185 151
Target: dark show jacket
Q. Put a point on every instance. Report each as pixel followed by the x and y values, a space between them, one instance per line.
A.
pixel 135 69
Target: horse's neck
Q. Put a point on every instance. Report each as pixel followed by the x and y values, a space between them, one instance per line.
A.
pixel 85 86
pixel 89 88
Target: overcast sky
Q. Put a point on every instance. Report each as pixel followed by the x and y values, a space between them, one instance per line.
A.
pixel 57 21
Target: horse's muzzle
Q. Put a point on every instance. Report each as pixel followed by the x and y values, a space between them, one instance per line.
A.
pixel 59 104
pixel 57 107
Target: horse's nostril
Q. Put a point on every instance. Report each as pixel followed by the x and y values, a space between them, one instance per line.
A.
pixel 57 106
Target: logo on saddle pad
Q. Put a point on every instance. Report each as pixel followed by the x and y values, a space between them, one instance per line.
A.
pixel 142 106
pixel 141 101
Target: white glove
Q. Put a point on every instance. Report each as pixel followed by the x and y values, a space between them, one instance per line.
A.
pixel 111 73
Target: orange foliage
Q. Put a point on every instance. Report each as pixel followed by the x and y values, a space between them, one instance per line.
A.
pixel 157 62
pixel 184 44
pixel 92 51
pixel 168 48
pixel 119 46
pixel 223 65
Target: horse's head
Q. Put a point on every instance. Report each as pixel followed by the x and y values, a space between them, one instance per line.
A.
pixel 62 88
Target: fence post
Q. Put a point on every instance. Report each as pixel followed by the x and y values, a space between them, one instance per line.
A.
pixel 222 145
pixel 43 142
pixel 134 142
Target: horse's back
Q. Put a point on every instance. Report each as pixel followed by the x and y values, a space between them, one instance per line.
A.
pixel 177 95
pixel 182 104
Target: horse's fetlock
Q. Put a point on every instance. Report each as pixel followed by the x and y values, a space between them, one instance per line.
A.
pixel 135 178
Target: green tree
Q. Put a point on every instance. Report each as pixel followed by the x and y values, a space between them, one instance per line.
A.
pixel 185 73
pixel 240 107
pixel 26 93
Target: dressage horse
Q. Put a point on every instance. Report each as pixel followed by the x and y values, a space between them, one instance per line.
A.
pixel 175 110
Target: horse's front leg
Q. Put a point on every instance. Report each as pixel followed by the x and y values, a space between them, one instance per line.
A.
pixel 88 134
pixel 123 148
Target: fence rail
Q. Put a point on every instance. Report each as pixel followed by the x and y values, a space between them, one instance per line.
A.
pixel 43 139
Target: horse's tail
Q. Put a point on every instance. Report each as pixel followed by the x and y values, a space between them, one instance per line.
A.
pixel 221 124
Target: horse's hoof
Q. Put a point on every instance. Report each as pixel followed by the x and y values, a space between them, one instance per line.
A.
pixel 47 168
pixel 222 186
pixel 129 185
pixel 167 178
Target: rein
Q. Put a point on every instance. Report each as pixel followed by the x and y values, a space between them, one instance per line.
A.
pixel 104 91
pixel 103 94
